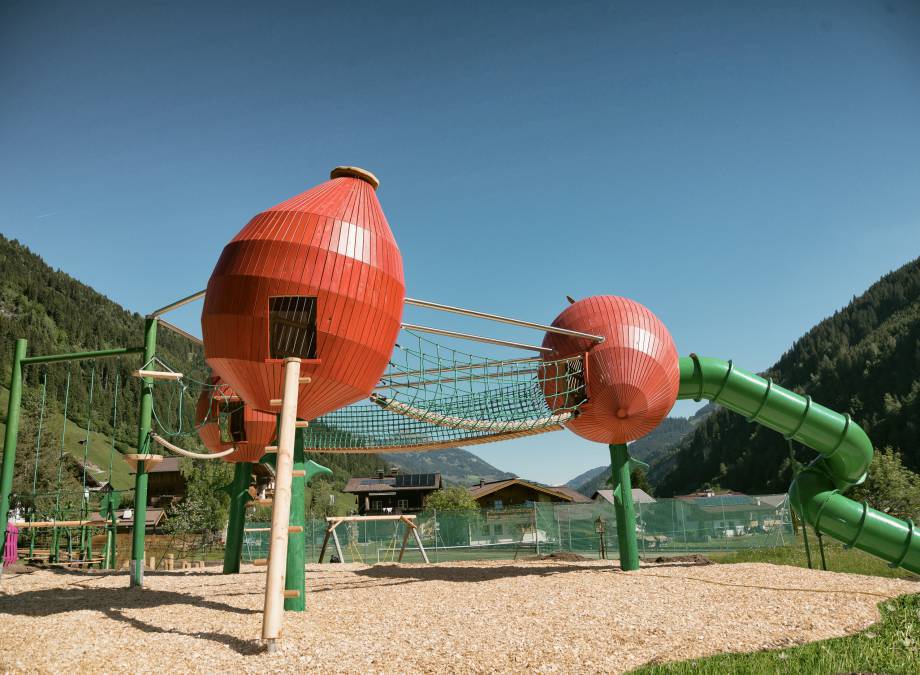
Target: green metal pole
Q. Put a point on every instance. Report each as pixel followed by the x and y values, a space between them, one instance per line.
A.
pixel 111 540
pixel 9 441
pixel 143 446
pixel 623 503
pixel 295 576
pixel 239 495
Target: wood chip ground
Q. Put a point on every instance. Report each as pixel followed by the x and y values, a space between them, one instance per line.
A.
pixel 535 616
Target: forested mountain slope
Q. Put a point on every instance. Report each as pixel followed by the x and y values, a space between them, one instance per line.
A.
pixel 864 360
pixel 648 449
pixel 456 465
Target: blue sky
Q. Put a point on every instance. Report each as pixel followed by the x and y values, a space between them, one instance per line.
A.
pixel 743 168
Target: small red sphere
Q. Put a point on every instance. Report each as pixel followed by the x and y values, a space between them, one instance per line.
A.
pixel 631 377
pixel 242 427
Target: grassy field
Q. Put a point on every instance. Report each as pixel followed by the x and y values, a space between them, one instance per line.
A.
pixel 98 449
pixel 837 557
pixel 891 646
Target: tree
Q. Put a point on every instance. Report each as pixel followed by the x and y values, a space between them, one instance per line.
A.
pixel 640 480
pixel 205 506
pixel 320 505
pixel 452 500
pixel 637 479
pixel 457 513
pixel 890 486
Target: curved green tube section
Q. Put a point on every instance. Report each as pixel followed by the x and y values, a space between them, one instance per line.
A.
pixel 845 453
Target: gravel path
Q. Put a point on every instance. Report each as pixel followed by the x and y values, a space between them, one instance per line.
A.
pixel 531 616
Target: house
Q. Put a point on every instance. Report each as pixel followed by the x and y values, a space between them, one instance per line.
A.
pixel 392 493
pixel 517 493
pixel 510 514
pixel 165 482
pixel 166 485
pixel 729 514
pixel 153 519
pixel 639 496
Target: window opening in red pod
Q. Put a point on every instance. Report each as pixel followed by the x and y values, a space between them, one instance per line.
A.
pixel 292 326
pixel 232 422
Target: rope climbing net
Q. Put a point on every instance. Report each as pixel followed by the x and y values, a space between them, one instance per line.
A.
pixel 434 396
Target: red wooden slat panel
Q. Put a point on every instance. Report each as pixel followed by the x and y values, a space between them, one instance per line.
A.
pixel 259 426
pixel 632 377
pixel 332 242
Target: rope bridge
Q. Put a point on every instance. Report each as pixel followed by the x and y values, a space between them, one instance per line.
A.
pixel 436 397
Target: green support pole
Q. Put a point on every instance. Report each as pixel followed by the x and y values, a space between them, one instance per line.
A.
pixel 9 441
pixel 111 540
pixel 295 576
pixel 239 495
pixel 623 503
pixel 143 447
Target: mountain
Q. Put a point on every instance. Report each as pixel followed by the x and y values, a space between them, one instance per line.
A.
pixel 864 360
pixel 647 449
pixel 456 465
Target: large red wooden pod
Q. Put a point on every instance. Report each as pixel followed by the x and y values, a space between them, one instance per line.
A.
pixel 319 277
pixel 631 377
pixel 225 422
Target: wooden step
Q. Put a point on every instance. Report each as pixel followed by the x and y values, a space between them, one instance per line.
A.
pixel 274 403
pixel 301 424
pixel 292 594
pixel 305 380
pixel 261 562
pixel 294 528
pixel 148 460
pixel 271 449
pixel 157 374
pixel 298 473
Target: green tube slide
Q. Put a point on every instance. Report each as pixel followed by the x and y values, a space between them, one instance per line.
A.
pixel 845 453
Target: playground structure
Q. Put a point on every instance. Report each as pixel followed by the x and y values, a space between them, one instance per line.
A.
pixel 300 323
pixel 409 528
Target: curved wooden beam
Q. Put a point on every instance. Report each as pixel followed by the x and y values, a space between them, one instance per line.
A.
pixel 185 453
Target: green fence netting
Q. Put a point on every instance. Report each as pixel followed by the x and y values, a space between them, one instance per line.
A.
pixel 664 527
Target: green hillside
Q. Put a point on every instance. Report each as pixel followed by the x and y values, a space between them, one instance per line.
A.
pixel 864 360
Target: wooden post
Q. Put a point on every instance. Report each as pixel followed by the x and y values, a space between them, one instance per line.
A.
pixel 418 540
pixel 402 550
pixel 273 612
pixel 338 546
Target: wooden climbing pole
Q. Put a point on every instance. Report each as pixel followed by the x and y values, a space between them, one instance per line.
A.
pixel 273 612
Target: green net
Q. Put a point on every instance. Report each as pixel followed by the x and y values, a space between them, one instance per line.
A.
pixel 664 527
pixel 433 396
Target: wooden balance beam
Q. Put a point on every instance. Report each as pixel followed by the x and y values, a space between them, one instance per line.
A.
pixel 335 521
pixel 59 523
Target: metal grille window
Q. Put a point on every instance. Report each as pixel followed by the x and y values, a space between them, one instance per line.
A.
pixel 292 327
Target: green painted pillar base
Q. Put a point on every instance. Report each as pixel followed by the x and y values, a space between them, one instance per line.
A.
pixel 145 416
pixel 111 540
pixel 623 504
pixel 139 526
pixel 239 495
pixel 295 576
